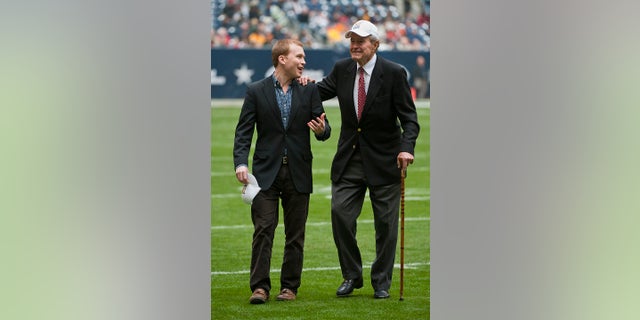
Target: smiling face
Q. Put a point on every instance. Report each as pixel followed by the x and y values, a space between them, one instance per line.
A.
pixel 293 63
pixel 362 48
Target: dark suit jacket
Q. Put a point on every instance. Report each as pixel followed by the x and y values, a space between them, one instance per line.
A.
pixel 260 110
pixel 388 107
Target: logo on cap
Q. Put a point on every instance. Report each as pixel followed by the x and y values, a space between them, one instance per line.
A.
pixel 362 28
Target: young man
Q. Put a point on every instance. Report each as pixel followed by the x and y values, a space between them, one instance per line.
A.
pixel 282 111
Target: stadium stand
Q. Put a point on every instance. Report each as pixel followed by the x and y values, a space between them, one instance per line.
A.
pixel 319 24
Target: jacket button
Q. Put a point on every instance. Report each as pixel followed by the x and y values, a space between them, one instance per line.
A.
pixel 359 129
pixel 354 146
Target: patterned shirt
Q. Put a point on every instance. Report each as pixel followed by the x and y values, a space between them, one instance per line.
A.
pixel 284 100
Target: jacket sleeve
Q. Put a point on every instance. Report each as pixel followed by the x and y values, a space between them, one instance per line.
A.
pixel 328 85
pixel 317 110
pixel 245 129
pixel 406 110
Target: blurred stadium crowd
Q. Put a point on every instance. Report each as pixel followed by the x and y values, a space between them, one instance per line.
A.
pixel 319 24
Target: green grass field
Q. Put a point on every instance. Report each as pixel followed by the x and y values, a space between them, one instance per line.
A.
pixel 231 232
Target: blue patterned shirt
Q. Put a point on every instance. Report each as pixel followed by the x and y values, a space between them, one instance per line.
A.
pixel 284 100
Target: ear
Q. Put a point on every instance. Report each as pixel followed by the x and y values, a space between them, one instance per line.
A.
pixel 377 45
pixel 281 59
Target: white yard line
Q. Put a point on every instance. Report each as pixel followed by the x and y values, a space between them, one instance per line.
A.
pixel 327 196
pixel 228 173
pixel 414 265
pixel 309 224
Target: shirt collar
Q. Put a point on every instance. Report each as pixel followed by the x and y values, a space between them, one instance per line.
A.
pixel 277 84
pixel 368 67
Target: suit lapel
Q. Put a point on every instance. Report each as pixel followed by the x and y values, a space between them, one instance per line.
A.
pixel 350 80
pixel 270 96
pixel 374 84
pixel 295 101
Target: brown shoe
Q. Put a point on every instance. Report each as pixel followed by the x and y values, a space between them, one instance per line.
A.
pixel 259 296
pixel 286 294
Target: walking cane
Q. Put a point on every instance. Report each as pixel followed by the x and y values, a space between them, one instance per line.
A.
pixel 404 175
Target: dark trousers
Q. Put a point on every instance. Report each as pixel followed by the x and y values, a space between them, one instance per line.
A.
pixel 264 214
pixel 346 203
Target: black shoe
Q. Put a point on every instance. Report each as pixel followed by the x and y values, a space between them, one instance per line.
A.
pixel 381 294
pixel 347 287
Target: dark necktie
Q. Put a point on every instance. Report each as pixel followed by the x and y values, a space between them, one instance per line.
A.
pixel 362 95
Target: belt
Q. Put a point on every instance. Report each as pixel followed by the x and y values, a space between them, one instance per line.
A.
pixel 285 160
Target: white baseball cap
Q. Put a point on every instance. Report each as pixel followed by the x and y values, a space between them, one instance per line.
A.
pixel 250 190
pixel 363 28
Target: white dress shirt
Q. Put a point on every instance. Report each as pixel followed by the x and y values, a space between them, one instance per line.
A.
pixel 368 69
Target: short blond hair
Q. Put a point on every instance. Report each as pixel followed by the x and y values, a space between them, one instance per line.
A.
pixel 282 48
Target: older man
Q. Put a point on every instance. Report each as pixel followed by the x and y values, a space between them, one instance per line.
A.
pixel 377 139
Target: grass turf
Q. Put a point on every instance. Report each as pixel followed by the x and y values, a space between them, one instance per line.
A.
pixel 231 232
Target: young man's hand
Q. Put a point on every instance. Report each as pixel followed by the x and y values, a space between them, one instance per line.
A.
pixel 317 124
